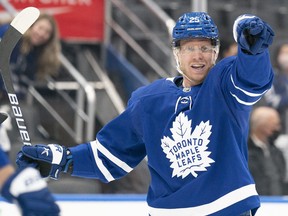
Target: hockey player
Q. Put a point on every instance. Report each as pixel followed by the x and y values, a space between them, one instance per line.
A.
pixel 193 128
pixel 26 188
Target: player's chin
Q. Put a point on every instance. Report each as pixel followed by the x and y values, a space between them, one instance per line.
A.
pixel 199 74
pixel 197 79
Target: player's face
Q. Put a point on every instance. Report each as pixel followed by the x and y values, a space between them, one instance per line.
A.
pixel 196 57
pixel 40 32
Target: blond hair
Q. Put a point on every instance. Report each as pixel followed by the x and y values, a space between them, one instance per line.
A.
pixel 48 59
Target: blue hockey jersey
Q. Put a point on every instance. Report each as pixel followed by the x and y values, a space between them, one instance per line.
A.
pixel 195 140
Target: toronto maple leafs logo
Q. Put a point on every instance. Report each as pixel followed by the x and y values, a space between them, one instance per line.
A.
pixel 187 151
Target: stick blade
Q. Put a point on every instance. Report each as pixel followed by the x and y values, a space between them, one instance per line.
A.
pixel 25 19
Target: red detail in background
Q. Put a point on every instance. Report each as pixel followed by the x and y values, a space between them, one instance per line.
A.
pixel 78 20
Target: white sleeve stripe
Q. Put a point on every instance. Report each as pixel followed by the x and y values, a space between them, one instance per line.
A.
pixel 246 92
pixel 243 102
pixel 112 158
pixel 228 199
pixel 100 164
pixel 98 146
pixel 171 79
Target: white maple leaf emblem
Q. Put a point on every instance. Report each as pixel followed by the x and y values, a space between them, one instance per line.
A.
pixel 187 151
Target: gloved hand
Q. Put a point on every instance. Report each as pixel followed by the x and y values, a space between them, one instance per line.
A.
pixel 58 156
pixel 252 34
pixel 30 192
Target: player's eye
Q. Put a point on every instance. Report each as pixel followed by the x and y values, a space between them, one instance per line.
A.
pixel 188 49
pixel 205 49
pixel 191 49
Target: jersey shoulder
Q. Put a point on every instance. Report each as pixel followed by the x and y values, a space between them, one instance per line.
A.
pixel 161 86
pixel 224 63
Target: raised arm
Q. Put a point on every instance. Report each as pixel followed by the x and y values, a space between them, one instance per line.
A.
pixel 251 74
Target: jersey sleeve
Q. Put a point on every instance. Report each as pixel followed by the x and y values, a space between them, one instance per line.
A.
pixel 3 159
pixel 117 149
pixel 248 78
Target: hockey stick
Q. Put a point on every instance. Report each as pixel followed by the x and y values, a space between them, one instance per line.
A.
pixel 19 25
pixel 17 28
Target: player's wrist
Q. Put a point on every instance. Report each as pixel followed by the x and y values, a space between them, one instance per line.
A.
pixel 5 173
pixel 68 168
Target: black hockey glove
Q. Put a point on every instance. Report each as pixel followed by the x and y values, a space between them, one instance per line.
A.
pixel 252 34
pixel 58 156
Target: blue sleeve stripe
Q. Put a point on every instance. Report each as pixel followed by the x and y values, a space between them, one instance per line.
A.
pixel 97 146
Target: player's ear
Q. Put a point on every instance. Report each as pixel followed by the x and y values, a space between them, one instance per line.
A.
pixel 176 51
pixel 216 54
pixel 215 57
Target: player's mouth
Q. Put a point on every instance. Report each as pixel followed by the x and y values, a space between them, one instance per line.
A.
pixel 198 66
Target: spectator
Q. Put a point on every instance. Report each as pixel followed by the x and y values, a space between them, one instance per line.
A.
pixel 266 161
pixel 36 55
pixel 282 143
pixel 33 59
pixel 277 96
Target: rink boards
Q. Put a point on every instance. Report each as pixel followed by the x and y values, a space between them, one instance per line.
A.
pixel 127 205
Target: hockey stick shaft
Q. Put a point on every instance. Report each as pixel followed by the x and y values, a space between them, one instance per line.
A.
pixel 19 25
pixel 17 28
